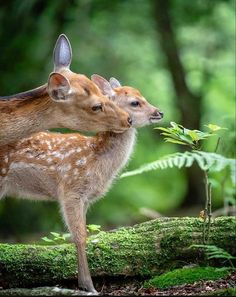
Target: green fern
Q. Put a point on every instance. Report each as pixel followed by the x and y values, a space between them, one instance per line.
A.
pixel 205 160
pixel 215 252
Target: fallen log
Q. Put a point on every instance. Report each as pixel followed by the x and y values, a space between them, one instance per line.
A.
pixel 142 250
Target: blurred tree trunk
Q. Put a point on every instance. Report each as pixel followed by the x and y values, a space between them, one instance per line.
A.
pixel 188 103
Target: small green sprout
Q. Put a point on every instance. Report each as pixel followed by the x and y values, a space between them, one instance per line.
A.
pixel 181 135
pixel 57 238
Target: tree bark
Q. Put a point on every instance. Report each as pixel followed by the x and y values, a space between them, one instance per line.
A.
pixel 189 104
pixel 142 250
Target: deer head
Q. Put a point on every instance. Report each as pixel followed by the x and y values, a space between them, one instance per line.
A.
pixel 79 101
pixel 129 99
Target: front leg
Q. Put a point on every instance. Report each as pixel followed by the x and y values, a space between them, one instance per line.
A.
pixel 74 211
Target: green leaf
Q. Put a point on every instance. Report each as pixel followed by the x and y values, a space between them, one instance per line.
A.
pixel 55 234
pixel 193 135
pixel 93 228
pixel 163 129
pixel 66 236
pixel 186 138
pixel 174 141
pixel 47 239
pixel 213 127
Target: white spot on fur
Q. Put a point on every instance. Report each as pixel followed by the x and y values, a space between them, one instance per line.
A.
pixel 49 145
pixel 65 168
pixel 58 155
pixel 4 171
pixel 81 161
pixel 75 172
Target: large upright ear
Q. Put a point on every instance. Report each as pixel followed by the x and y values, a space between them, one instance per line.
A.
pixel 103 85
pixel 58 87
pixel 62 53
pixel 114 83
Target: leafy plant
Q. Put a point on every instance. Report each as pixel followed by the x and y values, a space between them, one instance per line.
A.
pixel 215 252
pixel 57 238
pixel 181 135
pixel 178 134
pixel 205 161
pixel 92 228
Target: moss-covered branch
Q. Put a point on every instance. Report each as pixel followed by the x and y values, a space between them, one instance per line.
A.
pixel 143 250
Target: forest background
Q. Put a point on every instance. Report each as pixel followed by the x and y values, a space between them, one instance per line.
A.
pixel 180 54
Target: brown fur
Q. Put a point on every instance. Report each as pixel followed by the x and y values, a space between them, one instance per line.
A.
pixel 35 111
pixel 73 169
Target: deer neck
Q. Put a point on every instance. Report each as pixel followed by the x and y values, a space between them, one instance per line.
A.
pixel 26 113
pixel 115 149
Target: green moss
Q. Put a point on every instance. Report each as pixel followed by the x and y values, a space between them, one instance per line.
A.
pixel 186 276
pixel 21 260
pixel 145 249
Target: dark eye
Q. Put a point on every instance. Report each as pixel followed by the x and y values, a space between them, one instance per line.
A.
pixel 97 107
pixel 135 103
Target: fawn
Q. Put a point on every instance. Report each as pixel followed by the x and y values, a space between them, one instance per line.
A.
pixel 68 100
pixel 74 169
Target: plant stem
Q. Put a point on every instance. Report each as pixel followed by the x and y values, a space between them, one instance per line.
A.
pixel 206 206
pixel 209 211
pixel 217 144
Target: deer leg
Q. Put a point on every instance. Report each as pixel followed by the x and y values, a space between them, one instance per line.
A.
pixel 74 211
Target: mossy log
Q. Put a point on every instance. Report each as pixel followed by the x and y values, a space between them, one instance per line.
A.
pixel 145 249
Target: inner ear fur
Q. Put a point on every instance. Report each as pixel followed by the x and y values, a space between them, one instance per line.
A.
pixel 103 85
pixel 62 54
pixel 58 87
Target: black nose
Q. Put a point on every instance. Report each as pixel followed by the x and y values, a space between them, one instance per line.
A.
pixel 158 114
pixel 130 121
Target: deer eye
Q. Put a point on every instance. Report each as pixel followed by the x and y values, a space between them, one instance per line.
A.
pixel 135 103
pixel 97 107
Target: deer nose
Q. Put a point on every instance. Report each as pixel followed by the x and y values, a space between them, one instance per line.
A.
pixel 158 114
pixel 129 121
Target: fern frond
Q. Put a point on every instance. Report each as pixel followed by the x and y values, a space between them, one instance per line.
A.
pixel 205 161
pixel 214 252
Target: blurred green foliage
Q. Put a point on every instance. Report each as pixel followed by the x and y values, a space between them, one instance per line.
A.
pixel 120 38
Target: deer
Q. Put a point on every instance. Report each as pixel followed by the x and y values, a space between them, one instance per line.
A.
pixel 68 100
pixel 74 169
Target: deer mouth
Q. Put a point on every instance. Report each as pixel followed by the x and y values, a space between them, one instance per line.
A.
pixel 155 119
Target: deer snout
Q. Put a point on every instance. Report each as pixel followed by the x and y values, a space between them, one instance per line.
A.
pixel 161 114
pixel 157 115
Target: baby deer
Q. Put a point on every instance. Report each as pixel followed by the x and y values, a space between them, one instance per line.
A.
pixel 73 169
pixel 68 100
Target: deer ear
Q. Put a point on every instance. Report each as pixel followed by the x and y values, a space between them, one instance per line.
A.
pixel 114 83
pixel 62 53
pixel 103 85
pixel 58 87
